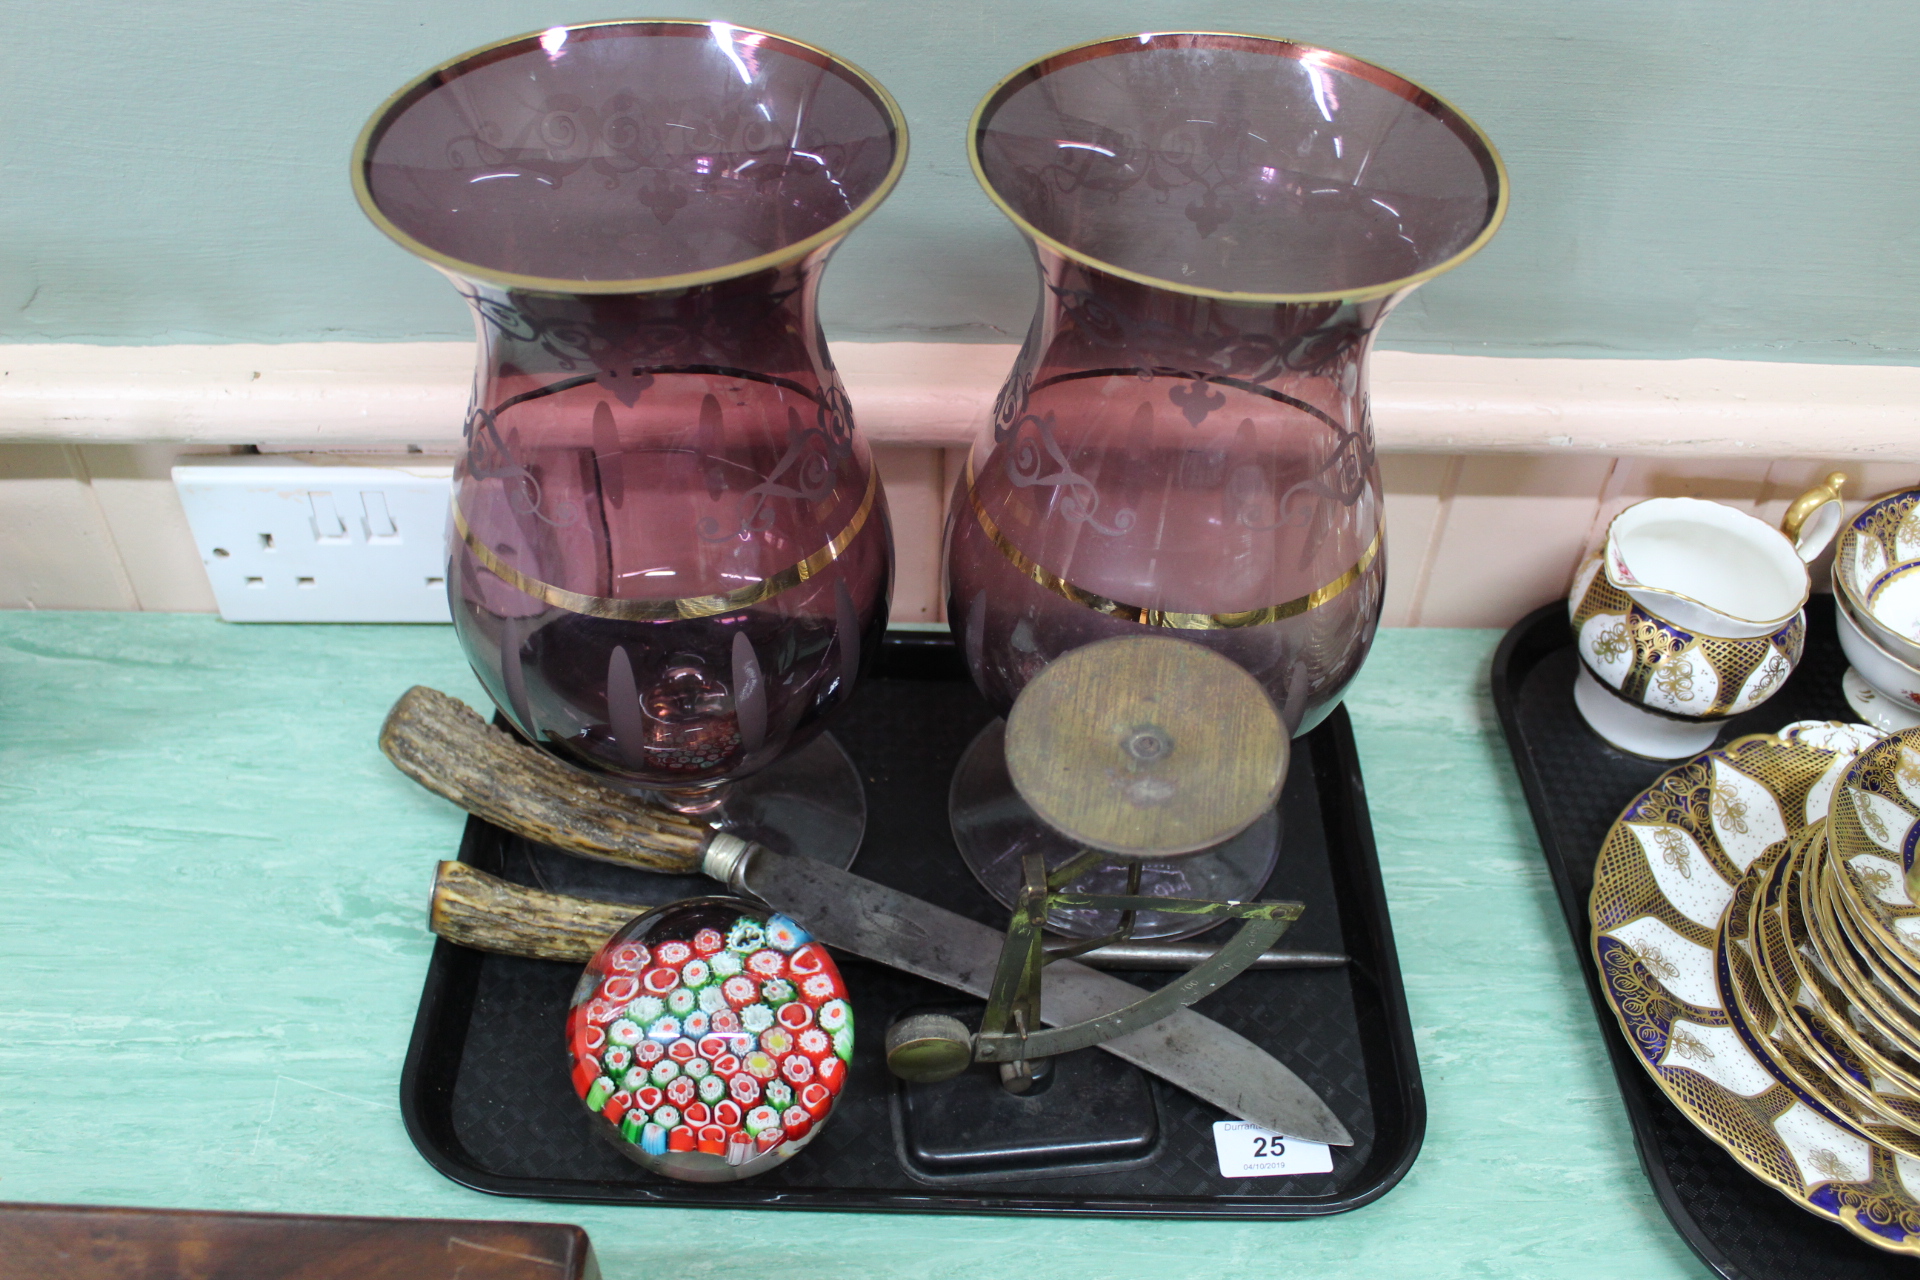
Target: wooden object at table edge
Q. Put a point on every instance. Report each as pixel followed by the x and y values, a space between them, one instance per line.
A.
pixel 92 1242
pixel 443 745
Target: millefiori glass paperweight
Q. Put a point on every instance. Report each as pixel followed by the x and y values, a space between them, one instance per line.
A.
pixel 711 1038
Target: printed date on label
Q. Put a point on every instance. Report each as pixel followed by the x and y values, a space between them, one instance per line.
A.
pixel 1248 1151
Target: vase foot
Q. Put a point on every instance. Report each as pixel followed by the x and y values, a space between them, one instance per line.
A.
pixel 1641 733
pixel 809 805
pixel 994 828
pixel 1875 708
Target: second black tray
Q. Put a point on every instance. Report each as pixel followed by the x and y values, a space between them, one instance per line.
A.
pixel 1576 785
pixel 486 1098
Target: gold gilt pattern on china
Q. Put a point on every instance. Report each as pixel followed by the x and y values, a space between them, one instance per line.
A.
pixel 1758 1007
pixel 1832 1152
pixel 1875 808
pixel 1814 1009
pixel 1886 1021
pixel 1670 660
pixel 1894 524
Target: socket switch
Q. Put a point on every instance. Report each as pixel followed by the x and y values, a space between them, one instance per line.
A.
pixel 321 544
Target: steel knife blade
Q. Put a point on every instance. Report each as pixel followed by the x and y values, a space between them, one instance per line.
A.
pixel 903 932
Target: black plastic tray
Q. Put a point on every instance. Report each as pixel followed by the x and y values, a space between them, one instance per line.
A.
pixel 486 1098
pixel 1576 786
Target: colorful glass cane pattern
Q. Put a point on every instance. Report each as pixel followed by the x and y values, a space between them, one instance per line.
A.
pixel 712 1039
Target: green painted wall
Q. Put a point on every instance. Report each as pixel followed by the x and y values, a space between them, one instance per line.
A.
pixel 1690 178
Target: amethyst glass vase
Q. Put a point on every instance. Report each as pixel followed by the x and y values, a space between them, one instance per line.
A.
pixel 1221 222
pixel 670 549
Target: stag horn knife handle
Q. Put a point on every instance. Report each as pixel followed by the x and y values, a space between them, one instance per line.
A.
pixel 487 913
pixel 484 912
pixel 444 746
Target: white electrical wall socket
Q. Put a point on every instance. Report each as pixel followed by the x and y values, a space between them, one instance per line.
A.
pixel 321 544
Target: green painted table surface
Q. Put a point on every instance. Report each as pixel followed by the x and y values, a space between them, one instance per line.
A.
pixel 212 939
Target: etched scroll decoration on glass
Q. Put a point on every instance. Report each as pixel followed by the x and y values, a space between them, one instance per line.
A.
pixel 671 552
pixel 1185 445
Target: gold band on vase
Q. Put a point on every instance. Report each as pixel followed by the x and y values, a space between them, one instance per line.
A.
pixel 1146 617
pixel 668 610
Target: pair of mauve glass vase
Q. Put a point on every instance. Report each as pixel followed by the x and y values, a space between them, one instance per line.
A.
pixel 671 558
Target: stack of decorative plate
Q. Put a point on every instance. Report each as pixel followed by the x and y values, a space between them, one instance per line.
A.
pixel 1759 941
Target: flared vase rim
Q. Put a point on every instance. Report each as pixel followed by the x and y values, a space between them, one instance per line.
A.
pixel 1442 109
pixel 561 286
